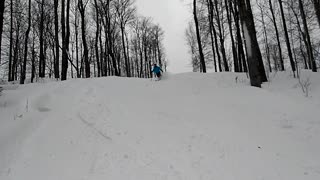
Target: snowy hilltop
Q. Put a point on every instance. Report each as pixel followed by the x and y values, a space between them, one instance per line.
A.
pixel 185 127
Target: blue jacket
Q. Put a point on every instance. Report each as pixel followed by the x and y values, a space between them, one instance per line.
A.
pixel 156 69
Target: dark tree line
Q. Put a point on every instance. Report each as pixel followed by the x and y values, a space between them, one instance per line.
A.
pixel 249 35
pixel 63 39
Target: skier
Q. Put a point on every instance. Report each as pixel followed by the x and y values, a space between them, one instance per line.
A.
pixel 157 71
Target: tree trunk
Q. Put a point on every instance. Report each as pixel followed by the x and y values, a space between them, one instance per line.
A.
pixel 63 29
pixel 277 35
pixel 56 38
pixel 82 10
pixel 306 31
pixel 16 53
pixel 202 61
pixel 241 55
pixel 24 66
pixel 302 37
pixel 317 9
pixel 77 43
pixel 221 38
pixel 124 50
pixel 302 53
pixel 109 40
pixel 10 77
pixel 42 61
pixel 210 18
pixel 102 58
pixel 234 51
pixel 2 6
pixel 254 54
pixel 33 61
pixel 293 67
pixel 65 26
pixel 97 37
pixel 266 40
pixel 67 38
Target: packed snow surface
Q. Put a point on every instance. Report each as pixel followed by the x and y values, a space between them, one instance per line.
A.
pixel 185 127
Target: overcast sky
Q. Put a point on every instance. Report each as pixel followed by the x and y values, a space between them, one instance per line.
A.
pixel 173 17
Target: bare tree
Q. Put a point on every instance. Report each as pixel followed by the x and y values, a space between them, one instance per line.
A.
pixel 57 46
pixel 97 37
pixel 253 50
pixel 42 61
pixel 277 34
pixel 307 34
pixel 293 67
pixel 202 61
pixel 228 5
pixel 10 77
pixel 221 34
pixel 113 48
pixel 82 9
pixel 65 26
pixel 241 54
pixel 24 66
pixel 267 48
pixel 2 6
pixel 125 14
pixel 317 9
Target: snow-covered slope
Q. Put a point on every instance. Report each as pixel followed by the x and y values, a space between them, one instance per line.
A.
pixel 188 126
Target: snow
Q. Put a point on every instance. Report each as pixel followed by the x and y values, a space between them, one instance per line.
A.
pixel 186 126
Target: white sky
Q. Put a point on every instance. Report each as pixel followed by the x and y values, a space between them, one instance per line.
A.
pixel 173 17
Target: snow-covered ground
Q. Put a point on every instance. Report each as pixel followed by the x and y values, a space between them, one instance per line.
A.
pixel 186 127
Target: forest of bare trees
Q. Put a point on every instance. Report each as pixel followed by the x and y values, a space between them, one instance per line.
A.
pixel 92 38
pixel 255 36
pixel 64 39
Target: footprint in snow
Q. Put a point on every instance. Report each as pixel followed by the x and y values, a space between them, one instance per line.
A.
pixel 43 109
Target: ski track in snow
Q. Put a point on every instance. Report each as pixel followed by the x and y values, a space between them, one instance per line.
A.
pixel 188 126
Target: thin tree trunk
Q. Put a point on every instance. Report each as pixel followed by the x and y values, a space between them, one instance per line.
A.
pixel 103 63
pixel 63 29
pixel 124 50
pixel 266 40
pixel 56 30
pixel 316 4
pixel 221 38
pixel 42 56
pixel 302 53
pixel 2 6
pixel 304 38
pixel 16 53
pixel 67 39
pixel 33 60
pixel 23 71
pixel 234 51
pixel 277 35
pixel 97 37
pixel 202 61
pixel 241 54
pixel 82 9
pixel 306 31
pixel 210 17
pixel 77 43
pixel 65 26
pixel 293 67
pixel 109 43
pixel 10 77
pixel 141 61
pixel 128 55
